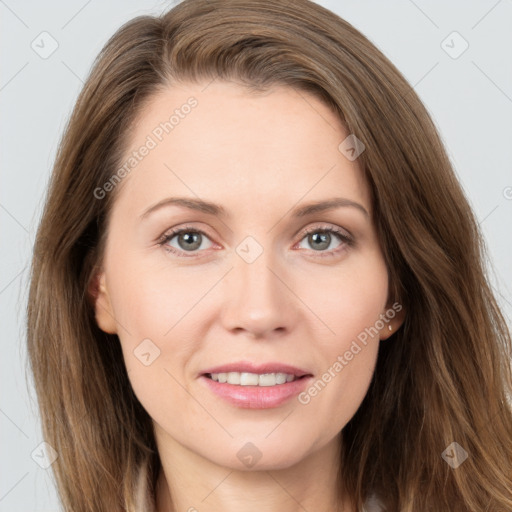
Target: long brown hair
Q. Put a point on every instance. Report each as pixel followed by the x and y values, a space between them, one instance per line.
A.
pixel 444 377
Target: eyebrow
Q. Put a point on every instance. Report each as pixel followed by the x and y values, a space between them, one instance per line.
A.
pixel 215 209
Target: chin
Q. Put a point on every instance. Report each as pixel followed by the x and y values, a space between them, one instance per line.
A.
pixel 262 455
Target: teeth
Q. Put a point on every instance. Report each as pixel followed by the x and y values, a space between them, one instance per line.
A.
pixel 249 379
pixel 268 379
pixel 281 378
pixel 253 379
pixel 233 378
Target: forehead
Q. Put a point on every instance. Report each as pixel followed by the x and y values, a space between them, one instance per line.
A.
pixel 221 142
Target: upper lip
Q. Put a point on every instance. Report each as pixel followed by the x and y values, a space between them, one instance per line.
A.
pixel 248 367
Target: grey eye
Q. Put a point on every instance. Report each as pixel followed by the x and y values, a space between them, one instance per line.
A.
pixel 320 239
pixel 188 240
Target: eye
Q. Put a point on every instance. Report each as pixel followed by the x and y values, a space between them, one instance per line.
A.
pixel 188 239
pixel 191 240
pixel 320 238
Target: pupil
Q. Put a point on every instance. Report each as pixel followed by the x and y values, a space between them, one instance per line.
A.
pixel 189 239
pixel 324 240
pixel 321 240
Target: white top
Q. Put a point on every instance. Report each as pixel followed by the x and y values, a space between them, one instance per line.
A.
pixel 372 504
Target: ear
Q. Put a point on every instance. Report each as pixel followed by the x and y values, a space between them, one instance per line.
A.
pixel 393 317
pixel 100 298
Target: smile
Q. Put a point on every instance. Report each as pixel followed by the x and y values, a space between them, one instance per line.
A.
pixel 252 379
pixel 252 385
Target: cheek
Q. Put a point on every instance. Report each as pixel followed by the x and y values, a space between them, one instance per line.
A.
pixel 157 303
pixel 148 312
pixel 151 301
pixel 339 388
pixel 156 310
pixel 347 299
pixel 350 305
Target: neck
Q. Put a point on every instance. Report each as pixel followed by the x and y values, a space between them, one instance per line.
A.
pixel 188 482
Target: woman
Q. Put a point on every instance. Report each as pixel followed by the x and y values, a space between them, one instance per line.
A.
pixel 257 283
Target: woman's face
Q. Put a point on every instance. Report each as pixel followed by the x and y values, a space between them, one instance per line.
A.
pixel 252 284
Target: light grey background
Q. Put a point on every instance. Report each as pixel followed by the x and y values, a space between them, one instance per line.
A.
pixel 469 97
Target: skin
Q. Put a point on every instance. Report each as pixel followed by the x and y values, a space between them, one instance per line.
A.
pixel 259 156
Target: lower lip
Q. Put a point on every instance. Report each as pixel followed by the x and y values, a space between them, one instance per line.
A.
pixel 257 397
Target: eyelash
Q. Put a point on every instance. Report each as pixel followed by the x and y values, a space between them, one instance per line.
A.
pixel 346 239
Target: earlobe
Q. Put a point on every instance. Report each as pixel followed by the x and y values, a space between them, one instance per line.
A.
pixel 392 322
pixel 100 299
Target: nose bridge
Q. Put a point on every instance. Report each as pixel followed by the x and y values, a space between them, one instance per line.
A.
pixel 257 299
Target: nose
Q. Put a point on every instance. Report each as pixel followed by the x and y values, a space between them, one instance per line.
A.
pixel 258 298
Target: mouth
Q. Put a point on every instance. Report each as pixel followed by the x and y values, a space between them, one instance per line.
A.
pixel 253 379
pixel 251 386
